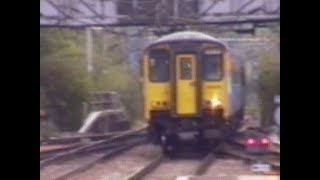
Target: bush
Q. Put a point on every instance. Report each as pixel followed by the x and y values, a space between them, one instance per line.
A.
pixel 268 86
pixel 121 79
pixel 64 81
pixel 112 72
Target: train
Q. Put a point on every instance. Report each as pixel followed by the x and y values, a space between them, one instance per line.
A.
pixel 193 89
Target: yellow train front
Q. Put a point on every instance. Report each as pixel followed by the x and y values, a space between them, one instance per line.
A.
pixel 193 89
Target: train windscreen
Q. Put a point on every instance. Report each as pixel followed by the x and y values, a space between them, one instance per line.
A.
pixel 159 65
pixel 212 66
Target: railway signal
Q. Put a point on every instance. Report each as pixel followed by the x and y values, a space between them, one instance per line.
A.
pixel 258 145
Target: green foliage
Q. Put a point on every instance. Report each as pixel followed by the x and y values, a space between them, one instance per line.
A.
pixel 269 86
pixel 118 78
pixel 113 73
pixel 64 82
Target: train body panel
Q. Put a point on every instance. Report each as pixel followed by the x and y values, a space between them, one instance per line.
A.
pixel 157 97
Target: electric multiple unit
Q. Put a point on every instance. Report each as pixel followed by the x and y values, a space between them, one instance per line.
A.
pixel 193 88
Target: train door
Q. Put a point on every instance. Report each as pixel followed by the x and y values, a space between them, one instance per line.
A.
pixel 186 96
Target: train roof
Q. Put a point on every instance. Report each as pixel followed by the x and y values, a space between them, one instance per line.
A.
pixel 187 36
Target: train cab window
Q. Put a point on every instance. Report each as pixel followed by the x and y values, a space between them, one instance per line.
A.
pixel 159 65
pixel 185 69
pixel 212 65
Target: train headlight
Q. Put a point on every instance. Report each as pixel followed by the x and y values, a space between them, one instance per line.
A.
pixel 215 107
pixel 215 103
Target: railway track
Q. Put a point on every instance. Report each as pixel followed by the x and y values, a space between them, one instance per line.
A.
pixel 236 148
pixel 123 165
pixel 77 137
pixel 239 139
pixel 112 142
pixel 47 151
pixel 91 158
pixel 151 170
pixel 53 146
pixel 101 157
pixel 240 143
pixel 67 160
pixel 195 167
pixel 63 170
pixel 270 159
pixel 140 173
pixel 199 167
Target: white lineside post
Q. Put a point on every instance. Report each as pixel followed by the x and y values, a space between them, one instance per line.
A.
pixel 277 110
pixel 176 8
pixel 89 49
pixel 276 116
pixel 85 110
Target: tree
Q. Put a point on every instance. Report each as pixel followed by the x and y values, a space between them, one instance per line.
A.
pixel 65 82
pixel 269 86
pixel 112 72
pixel 63 78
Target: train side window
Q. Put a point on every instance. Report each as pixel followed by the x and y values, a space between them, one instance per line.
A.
pixel 185 69
pixel 159 65
pixel 212 67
